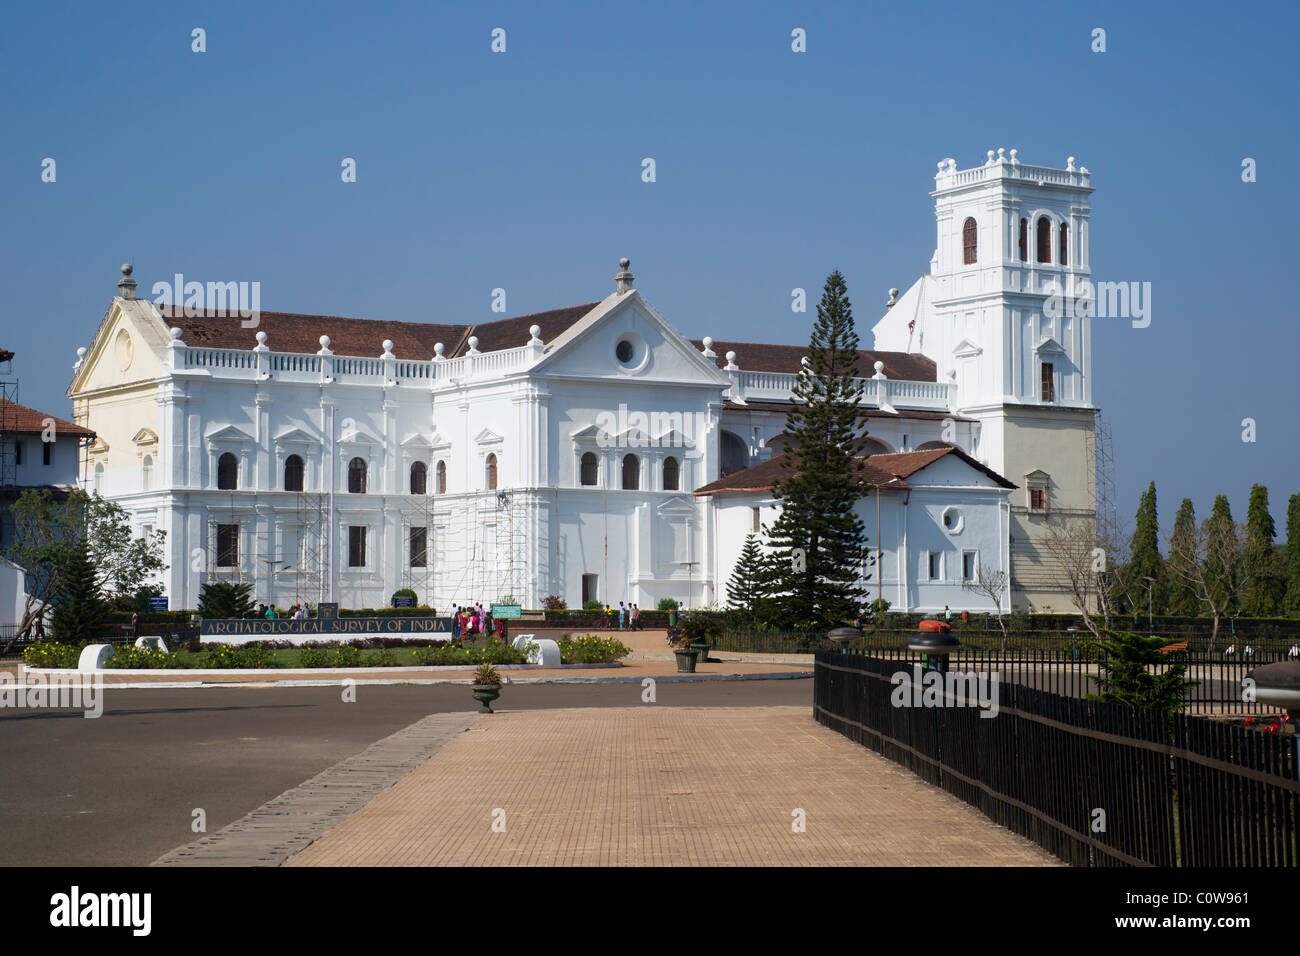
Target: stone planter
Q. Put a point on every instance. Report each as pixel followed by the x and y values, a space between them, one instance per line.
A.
pixel 701 651
pixel 685 661
pixel 485 694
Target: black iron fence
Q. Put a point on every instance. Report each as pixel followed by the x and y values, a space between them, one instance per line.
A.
pixel 1092 783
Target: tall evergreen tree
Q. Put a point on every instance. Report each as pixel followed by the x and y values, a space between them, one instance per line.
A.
pixel 1292 598
pixel 819 545
pixel 745 590
pixel 1146 567
pixel 79 609
pixel 1263 585
pixel 1180 595
pixel 1220 567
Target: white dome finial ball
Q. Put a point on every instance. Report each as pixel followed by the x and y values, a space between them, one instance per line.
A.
pixel 324 341
pixel 473 341
pixel 176 333
pixel 81 352
pixel 535 331
pixel 388 345
pixel 879 366
pixel 438 349
pixel 261 338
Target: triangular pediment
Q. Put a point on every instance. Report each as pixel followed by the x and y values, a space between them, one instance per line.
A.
pixel 419 440
pixel 587 433
pixel 1049 346
pixel 678 505
pixel 145 436
pixel 1037 475
pixel 354 434
pixel 229 434
pixel 654 351
pixel 296 436
pixel 966 349
pixel 488 437
pixel 129 347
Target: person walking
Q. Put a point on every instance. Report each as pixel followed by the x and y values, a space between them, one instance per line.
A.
pixel 636 618
pixel 622 615
pixel 135 623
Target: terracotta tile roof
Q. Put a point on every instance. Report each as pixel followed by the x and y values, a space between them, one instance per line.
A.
pixel 784 407
pixel 296 332
pixel 880 471
pixel 756 357
pixel 18 419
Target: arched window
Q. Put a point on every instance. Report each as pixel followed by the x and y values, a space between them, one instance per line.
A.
pixel 293 473
pixel 1044 239
pixel 99 477
pixel 356 477
pixel 441 478
pixel 735 453
pixel 672 474
pixel 227 472
pixel 1063 256
pixel 1024 240
pixel 874 447
pixel 419 478
pixel 968 239
pixel 146 473
pixel 590 469
pixel 631 472
pixel 492 472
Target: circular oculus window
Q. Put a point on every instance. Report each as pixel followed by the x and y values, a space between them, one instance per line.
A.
pixel 123 349
pixel 625 351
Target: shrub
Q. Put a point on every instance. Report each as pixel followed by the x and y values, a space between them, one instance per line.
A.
pixel 590 649
pixel 592 606
pixel 486 674
pixel 700 628
pixel 404 593
pixel 347 655
pixel 144 658
pixel 51 654
pixel 227 656
pixel 668 604
pixel 383 658
pixel 314 657
pixel 554 602
pixel 225 599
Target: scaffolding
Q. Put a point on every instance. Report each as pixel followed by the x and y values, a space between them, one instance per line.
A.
pixel 420 577
pixel 490 533
pixel 308 562
pixel 1101 485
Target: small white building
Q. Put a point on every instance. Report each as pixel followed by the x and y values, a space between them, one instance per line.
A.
pixel 936 521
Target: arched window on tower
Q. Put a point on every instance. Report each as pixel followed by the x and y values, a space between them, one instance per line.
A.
pixel 1063 254
pixel 1024 240
pixel 491 472
pixel 589 468
pixel 227 472
pixel 1044 239
pixel 968 240
pixel 293 473
pixel 440 479
pixel 631 473
pixel 146 473
pixel 356 477
pixel 672 474
pixel 419 478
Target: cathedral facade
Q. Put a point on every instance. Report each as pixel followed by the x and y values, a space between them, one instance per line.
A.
pixel 595 452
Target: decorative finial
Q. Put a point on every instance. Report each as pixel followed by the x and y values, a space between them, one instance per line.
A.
pixel 261 339
pixel 126 285
pixel 1002 154
pixel 438 349
pixel 731 360
pixel 893 299
pixel 534 333
pixel 880 370
pixel 989 161
pixel 388 348
pixel 623 281
pixel 1014 154
pixel 708 348
pixel 473 345
pixel 176 333
pixel 324 343
pixel 1069 164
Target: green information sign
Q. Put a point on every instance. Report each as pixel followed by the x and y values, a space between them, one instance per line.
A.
pixel 507 611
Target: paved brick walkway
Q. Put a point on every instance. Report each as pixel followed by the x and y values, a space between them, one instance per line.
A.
pixel 663 786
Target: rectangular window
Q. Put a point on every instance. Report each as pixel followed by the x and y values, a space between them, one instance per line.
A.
pixel 1048 391
pixel 936 565
pixel 757 524
pixel 47 450
pixel 589 590
pixel 227 545
pixel 1038 499
pixel 18 453
pixel 356 546
pixel 968 565
pixel 419 547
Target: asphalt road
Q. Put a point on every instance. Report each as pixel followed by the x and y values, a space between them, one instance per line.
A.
pixel 121 789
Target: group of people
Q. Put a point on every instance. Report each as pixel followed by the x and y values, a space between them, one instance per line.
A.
pixel 469 622
pixel 629 617
pixel 297 612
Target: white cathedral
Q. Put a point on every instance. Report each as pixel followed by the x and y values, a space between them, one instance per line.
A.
pixel 595 452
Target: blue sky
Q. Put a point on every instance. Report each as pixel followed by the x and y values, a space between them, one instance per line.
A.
pixel 522 171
